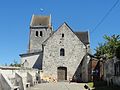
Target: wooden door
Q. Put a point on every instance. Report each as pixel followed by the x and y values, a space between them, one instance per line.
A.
pixel 62 73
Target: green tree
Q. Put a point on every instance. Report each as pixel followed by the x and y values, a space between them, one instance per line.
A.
pixel 101 50
pixel 108 48
pixel 112 43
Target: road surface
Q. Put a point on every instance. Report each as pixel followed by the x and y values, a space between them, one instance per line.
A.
pixel 58 86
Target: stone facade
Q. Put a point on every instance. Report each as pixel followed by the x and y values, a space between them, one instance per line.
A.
pixel 57 54
pixel 75 50
pixel 39 32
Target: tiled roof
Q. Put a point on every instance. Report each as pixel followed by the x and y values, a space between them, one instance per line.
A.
pixel 83 36
pixel 40 20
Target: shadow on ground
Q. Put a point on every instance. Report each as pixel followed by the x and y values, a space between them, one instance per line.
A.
pixel 101 85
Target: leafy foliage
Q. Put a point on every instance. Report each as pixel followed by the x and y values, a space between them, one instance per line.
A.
pixel 109 47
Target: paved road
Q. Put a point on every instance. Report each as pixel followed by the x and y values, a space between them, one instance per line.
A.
pixel 58 86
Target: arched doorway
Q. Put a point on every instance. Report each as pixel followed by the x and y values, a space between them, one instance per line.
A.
pixel 62 73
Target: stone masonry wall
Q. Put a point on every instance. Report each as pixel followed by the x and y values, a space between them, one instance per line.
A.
pixel 74 52
pixel 35 43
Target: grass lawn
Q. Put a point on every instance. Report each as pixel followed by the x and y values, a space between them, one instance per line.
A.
pixel 91 84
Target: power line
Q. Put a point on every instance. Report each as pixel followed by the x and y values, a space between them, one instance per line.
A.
pixel 105 16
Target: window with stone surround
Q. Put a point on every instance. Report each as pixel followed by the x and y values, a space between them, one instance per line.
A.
pixel 62 52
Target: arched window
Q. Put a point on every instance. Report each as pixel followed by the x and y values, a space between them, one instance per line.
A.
pixel 37 33
pixel 41 33
pixel 62 52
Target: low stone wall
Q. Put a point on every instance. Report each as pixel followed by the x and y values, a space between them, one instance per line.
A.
pixel 31 78
pixel 20 81
pixel 10 79
pixel 109 73
pixel 5 83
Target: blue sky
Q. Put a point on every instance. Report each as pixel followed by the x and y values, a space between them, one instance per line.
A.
pixel 81 15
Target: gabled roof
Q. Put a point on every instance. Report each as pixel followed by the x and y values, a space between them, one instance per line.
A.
pixel 83 36
pixel 29 54
pixel 38 20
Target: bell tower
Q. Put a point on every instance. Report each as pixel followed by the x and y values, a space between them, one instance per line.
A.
pixel 40 30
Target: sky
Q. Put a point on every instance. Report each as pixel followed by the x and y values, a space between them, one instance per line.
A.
pixel 80 15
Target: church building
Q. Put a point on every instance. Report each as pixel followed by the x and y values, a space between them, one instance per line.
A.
pixel 57 54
